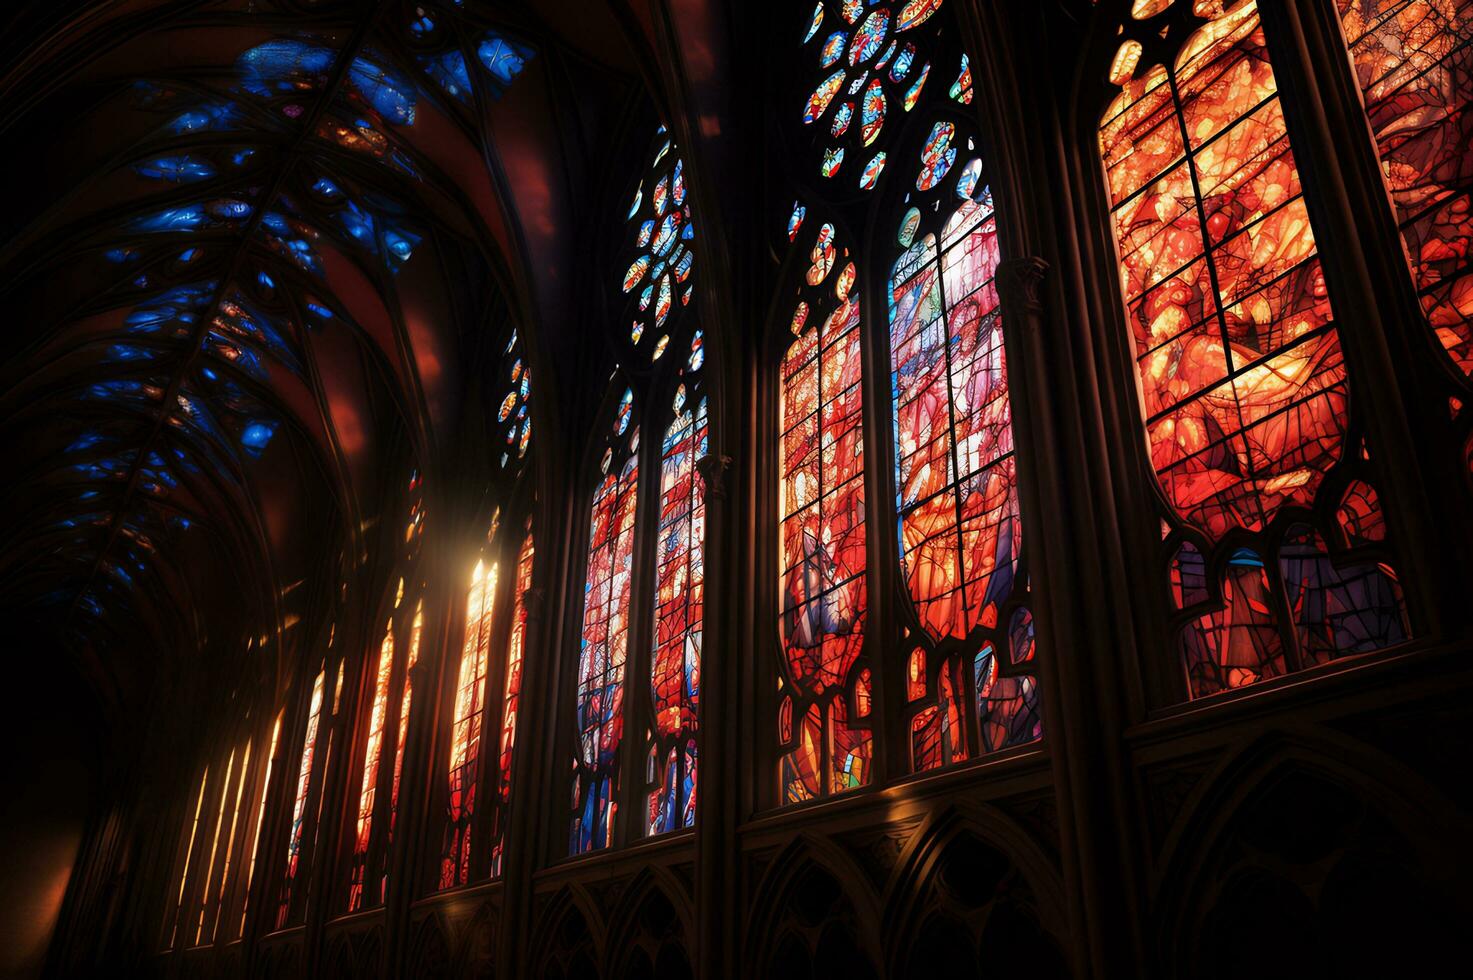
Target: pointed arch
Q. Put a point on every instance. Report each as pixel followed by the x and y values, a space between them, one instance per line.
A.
pixel 1245 391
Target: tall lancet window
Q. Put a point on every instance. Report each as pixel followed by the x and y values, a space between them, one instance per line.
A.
pixel 604 644
pixel 961 531
pixel 1245 395
pixel 821 570
pixel 645 587
pixel 384 728
pixel 1413 60
pixel 889 154
pixel 465 731
pixel 301 788
pixel 511 696
pixel 382 673
pixel 488 677
pixel 680 577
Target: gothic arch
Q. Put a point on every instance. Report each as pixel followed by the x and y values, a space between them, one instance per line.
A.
pixel 476 943
pixel 813 884
pixel 1328 841
pixel 429 955
pixel 919 859
pixel 652 926
pixel 339 963
pixel 568 942
pixel 370 953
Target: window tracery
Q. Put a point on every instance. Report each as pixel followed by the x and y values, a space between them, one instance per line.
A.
pixel 604 645
pixel 666 355
pixel 487 693
pixel 966 628
pixel 1245 393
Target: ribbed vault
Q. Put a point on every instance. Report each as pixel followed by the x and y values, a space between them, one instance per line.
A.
pixel 258 256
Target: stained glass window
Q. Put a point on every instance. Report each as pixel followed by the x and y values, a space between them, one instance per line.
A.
pixel 513 413
pixel 465 732
pixel 956 480
pixel 604 648
pixel 658 281
pixel 475 702
pixel 966 628
pixel 368 787
pixel 256 827
pixel 511 697
pixel 299 802
pixel 406 699
pixel 821 574
pixel 675 664
pixel 1412 62
pixel 1242 377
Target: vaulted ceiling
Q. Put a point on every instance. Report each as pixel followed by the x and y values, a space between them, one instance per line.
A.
pixel 257 254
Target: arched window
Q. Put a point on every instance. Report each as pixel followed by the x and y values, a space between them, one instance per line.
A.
pixel 888 150
pixel 961 532
pixel 382 676
pixel 823 557
pixel 487 679
pixel 511 696
pixel 604 646
pixel 385 726
pixel 465 731
pixel 296 835
pixel 653 629
pixel 1411 60
pixel 675 665
pixel 1245 394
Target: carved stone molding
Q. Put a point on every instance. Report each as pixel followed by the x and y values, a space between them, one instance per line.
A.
pixel 1019 282
pixel 713 469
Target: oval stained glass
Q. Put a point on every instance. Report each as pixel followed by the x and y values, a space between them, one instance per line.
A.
pixel 908 226
pixel 662 305
pixel 915 13
pixel 626 408
pixel 795 220
pixel 872 115
pixel 818 102
pixel 842 116
pixel 914 92
pixel 800 317
pixel 822 256
pixel 872 171
pixel 966 184
pixel 832 159
pixel 832 49
pixel 869 37
pixel 845 282
pixel 814 24
pixel 961 89
pixel 937 156
pixel 903 60
pixel 665 237
pixel 636 272
pixel 697 352
pixel 677 183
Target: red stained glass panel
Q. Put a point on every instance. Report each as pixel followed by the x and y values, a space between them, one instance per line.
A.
pixel 1414 62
